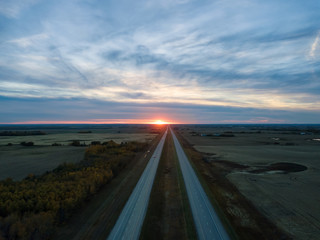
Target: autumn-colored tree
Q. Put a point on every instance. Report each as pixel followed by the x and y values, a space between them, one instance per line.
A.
pixel 30 208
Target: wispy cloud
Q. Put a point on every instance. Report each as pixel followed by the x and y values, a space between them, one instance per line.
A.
pixel 314 46
pixel 245 54
pixel 29 41
pixel 12 9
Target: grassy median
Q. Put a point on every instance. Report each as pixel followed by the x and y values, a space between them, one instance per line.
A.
pixel 169 214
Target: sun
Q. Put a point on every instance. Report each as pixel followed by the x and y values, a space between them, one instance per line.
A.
pixel 159 122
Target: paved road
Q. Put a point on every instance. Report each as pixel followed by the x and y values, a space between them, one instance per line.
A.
pixel 129 223
pixel 207 223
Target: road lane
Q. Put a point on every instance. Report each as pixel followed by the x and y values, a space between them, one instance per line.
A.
pixel 129 223
pixel 207 222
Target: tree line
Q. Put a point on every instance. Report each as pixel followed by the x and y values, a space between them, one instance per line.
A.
pixel 33 207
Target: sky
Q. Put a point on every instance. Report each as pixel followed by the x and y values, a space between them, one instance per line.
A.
pixel 179 61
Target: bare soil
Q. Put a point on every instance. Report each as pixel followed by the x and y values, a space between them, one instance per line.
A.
pixel 277 169
pixel 241 218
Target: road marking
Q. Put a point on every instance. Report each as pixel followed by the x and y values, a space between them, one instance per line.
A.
pixel 197 197
pixel 136 206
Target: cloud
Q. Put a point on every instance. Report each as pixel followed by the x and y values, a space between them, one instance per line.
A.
pixel 314 46
pixel 83 110
pixel 30 40
pixel 249 54
pixel 12 9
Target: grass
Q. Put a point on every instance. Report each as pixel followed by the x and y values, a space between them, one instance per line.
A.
pixel 48 200
pixel 67 138
pixel 168 215
pixel 97 218
pixel 191 232
pixel 196 156
pixel 17 162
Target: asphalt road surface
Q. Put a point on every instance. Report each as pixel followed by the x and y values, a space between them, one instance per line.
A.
pixel 129 223
pixel 207 223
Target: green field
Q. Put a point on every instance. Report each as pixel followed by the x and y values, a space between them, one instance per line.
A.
pixel 17 162
pixel 67 138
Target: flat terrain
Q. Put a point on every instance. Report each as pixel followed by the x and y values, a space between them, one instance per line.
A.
pixel 97 218
pixel 84 138
pixel 132 216
pixel 17 162
pixel 169 214
pixel 276 168
pixel 206 220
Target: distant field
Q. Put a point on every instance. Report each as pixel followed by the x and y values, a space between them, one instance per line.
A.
pixel 67 138
pixel 289 199
pixel 17 162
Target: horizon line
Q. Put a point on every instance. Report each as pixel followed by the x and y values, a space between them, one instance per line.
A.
pixel 147 123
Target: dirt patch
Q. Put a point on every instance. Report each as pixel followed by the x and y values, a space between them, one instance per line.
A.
pixel 282 167
pixel 231 165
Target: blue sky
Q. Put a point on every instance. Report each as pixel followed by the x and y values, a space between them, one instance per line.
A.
pixel 244 61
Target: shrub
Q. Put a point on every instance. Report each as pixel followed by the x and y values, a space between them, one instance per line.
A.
pixel 56 144
pixel 30 208
pixel 27 144
pixel 95 143
pixel 75 143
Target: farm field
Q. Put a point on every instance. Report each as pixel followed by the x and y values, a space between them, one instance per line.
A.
pixel 18 161
pixel 85 134
pixel 84 195
pixel 277 168
pixel 97 217
pixel 67 138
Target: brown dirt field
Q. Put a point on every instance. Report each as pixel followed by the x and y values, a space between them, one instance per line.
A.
pixel 276 169
pixel 242 217
pixel 96 219
pixel 168 215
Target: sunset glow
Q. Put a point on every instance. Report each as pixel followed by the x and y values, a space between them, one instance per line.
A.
pixel 95 121
pixel 159 62
pixel 160 122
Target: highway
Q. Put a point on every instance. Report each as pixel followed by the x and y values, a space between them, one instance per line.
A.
pixel 129 223
pixel 207 223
